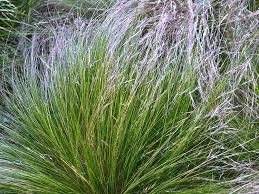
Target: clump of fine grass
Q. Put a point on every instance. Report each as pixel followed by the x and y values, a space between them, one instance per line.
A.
pixel 143 113
pixel 99 123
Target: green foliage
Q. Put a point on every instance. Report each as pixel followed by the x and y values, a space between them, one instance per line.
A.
pixel 12 14
pixel 8 16
pixel 83 132
pixel 140 102
pixel 87 4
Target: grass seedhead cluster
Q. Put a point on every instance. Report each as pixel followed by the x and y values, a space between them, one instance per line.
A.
pixel 151 97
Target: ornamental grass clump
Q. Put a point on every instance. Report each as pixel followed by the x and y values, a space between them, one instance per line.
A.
pixel 99 123
pixel 108 108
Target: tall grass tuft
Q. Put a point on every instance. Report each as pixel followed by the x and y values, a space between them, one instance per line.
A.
pixel 142 102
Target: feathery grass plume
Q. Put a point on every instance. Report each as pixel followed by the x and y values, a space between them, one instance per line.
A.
pixel 232 53
pixel 242 53
pixel 246 101
pixel 159 25
pixel 206 28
